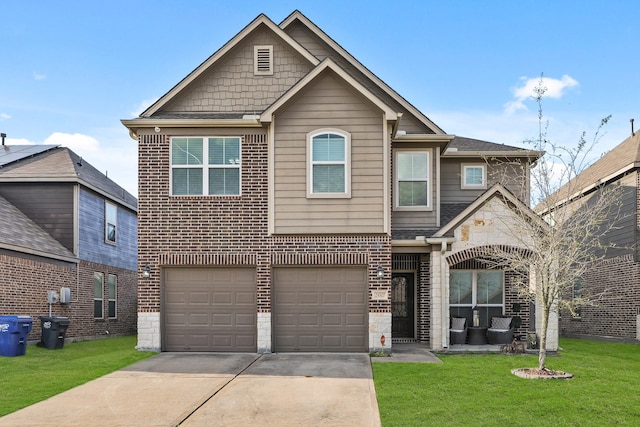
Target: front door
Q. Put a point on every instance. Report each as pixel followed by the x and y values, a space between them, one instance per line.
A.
pixel 402 305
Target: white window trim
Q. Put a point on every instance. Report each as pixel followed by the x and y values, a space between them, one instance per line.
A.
pixel 205 167
pixel 107 222
pixel 347 165
pixel 396 181
pixel 115 299
pixel 463 176
pixel 256 70
pixel 101 299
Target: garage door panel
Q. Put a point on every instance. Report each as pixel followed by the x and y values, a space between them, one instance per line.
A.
pixel 320 309
pixel 209 309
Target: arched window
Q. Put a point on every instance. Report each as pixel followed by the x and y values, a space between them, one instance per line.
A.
pixel 329 168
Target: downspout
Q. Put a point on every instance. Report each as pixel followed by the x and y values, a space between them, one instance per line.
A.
pixel 443 277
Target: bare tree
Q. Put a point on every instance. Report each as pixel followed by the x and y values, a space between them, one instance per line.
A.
pixel 555 249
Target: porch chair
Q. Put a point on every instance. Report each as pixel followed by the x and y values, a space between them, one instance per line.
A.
pixel 458 330
pixel 501 330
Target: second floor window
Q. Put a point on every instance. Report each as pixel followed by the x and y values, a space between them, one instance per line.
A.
pixel 412 179
pixel 205 166
pixel 329 168
pixel 474 176
pixel 110 222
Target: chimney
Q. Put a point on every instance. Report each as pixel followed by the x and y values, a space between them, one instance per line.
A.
pixel 3 136
pixel 631 120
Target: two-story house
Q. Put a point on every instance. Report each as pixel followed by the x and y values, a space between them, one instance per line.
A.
pixel 290 200
pixel 66 225
pixel 613 285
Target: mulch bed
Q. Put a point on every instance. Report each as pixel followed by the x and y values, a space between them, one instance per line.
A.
pixel 535 373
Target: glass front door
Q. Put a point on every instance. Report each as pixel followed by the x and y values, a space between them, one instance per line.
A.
pixel 403 305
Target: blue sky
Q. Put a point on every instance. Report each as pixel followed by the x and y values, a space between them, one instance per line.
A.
pixel 71 70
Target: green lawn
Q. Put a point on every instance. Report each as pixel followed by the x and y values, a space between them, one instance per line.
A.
pixel 42 373
pixel 480 390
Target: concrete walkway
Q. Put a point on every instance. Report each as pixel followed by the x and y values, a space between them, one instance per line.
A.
pixel 206 389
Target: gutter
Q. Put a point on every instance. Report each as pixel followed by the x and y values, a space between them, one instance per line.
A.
pixel 141 123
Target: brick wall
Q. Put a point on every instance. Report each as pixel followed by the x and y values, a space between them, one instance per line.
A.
pixel 25 283
pixel 206 230
pixel 613 314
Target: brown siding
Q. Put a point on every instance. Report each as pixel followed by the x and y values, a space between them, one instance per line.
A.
pixel 329 104
pixel 230 86
pixel 48 205
pixel 507 174
pixel 417 218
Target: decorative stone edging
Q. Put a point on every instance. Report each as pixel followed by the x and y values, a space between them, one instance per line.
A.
pixel 535 373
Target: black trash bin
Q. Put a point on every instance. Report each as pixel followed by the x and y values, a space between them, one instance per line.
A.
pixel 13 334
pixel 54 329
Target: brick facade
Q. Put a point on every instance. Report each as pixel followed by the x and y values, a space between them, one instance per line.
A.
pixel 613 315
pixel 233 230
pixel 26 282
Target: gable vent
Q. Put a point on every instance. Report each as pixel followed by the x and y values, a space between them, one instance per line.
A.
pixel 263 60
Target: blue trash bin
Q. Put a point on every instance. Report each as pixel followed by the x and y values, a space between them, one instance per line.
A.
pixel 13 335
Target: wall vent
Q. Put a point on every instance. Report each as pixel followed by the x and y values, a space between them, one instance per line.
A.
pixel 263 60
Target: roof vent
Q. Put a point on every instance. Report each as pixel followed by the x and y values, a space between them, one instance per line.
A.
pixel 263 60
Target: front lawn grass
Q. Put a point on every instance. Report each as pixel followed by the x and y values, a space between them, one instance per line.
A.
pixel 480 390
pixel 42 373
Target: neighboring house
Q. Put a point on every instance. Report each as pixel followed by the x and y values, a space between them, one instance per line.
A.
pixel 66 225
pixel 291 201
pixel 617 278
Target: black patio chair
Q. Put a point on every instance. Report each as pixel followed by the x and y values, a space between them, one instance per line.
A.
pixel 458 330
pixel 501 330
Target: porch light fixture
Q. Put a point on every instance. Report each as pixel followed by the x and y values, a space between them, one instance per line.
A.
pixel 146 272
pixel 380 272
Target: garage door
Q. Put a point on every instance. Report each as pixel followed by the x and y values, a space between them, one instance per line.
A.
pixel 209 309
pixel 320 309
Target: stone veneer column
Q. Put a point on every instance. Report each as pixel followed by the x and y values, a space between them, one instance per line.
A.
pixel 264 332
pixel 148 332
pixel 438 311
pixel 379 326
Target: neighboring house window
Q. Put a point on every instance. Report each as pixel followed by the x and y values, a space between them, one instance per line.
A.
pixel 412 179
pixel 482 289
pixel 98 295
pixel 329 168
pixel 474 176
pixel 112 281
pixel 263 60
pixel 205 166
pixel 110 222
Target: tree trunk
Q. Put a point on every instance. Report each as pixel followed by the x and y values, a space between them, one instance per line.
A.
pixel 542 352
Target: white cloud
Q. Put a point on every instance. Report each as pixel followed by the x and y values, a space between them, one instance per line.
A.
pixel 4 116
pixel 39 76
pixel 113 154
pixel 553 88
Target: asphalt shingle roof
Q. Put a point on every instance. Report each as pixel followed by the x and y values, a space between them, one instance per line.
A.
pixel 24 234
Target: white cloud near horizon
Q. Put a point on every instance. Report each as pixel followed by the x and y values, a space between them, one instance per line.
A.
pixel 553 88
pixel 39 76
pixel 4 116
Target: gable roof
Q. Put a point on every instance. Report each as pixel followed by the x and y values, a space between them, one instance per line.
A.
pixel 612 165
pixel 352 61
pixel 327 64
pixel 25 236
pixel 262 19
pixel 60 164
pixel 496 190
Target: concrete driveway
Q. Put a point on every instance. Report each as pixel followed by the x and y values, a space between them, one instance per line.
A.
pixel 206 389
